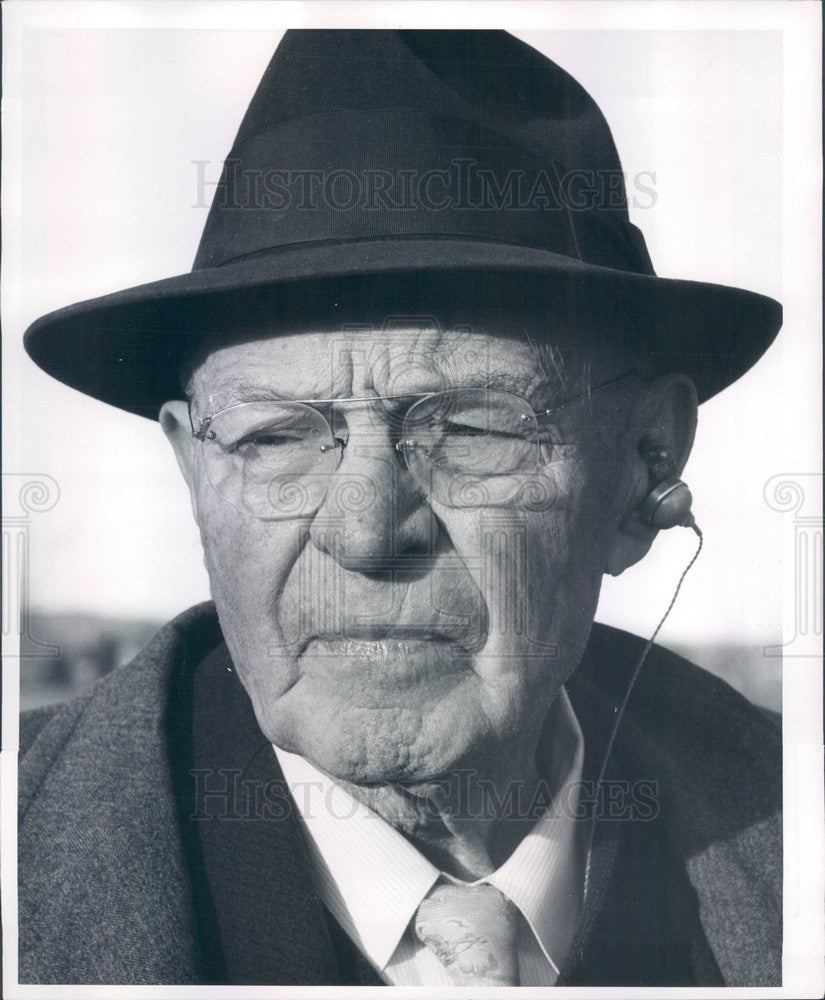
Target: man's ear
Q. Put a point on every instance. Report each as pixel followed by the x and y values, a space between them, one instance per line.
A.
pixel 174 419
pixel 666 418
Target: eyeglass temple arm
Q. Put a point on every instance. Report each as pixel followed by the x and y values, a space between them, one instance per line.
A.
pixel 587 393
pixel 202 432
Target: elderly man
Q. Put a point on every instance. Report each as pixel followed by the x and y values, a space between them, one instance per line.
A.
pixel 425 390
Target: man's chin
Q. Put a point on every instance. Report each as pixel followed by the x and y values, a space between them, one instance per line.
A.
pixel 411 750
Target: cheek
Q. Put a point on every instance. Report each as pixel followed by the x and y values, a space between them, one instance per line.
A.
pixel 248 562
pixel 539 571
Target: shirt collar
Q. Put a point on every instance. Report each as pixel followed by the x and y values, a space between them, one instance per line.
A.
pixel 544 875
pixel 369 876
pixel 372 879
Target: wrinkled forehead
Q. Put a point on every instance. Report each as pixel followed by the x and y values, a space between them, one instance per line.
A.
pixel 408 356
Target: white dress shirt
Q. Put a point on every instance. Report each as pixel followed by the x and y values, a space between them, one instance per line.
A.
pixel 372 879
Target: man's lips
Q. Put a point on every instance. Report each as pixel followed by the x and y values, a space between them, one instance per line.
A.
pixel 463 637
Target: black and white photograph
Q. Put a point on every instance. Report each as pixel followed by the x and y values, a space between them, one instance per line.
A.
pixel 412 498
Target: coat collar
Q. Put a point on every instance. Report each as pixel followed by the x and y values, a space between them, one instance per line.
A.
pixel 104 894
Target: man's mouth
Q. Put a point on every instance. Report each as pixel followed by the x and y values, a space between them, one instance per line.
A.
pixel 376 637
pixel 390 657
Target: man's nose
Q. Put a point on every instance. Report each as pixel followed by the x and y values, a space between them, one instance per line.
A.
pixel 374 513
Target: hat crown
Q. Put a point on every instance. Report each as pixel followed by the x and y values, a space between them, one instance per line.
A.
pixel 475 136
pixel 489 77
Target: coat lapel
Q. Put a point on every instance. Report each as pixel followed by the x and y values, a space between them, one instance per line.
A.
pixel 270 922
pixel 639 924
pixel 714 763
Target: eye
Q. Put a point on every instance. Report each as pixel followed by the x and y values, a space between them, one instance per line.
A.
pixel 268 438
pixel 474 430
pixel 464 430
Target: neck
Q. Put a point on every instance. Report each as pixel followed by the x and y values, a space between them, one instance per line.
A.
pixel 468 822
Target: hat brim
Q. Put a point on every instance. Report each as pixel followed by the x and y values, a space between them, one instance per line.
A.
pixel 127 348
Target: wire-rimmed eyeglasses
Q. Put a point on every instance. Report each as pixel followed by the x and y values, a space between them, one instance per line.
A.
pixel 464 447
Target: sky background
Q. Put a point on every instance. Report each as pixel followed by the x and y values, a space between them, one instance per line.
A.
pixel 111 122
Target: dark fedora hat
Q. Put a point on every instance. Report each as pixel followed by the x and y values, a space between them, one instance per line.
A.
pixel 422 160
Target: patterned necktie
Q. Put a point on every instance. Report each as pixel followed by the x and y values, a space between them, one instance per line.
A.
pixel 472 931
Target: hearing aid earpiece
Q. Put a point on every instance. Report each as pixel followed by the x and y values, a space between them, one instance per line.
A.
pixel 669 500
pixel 668 504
